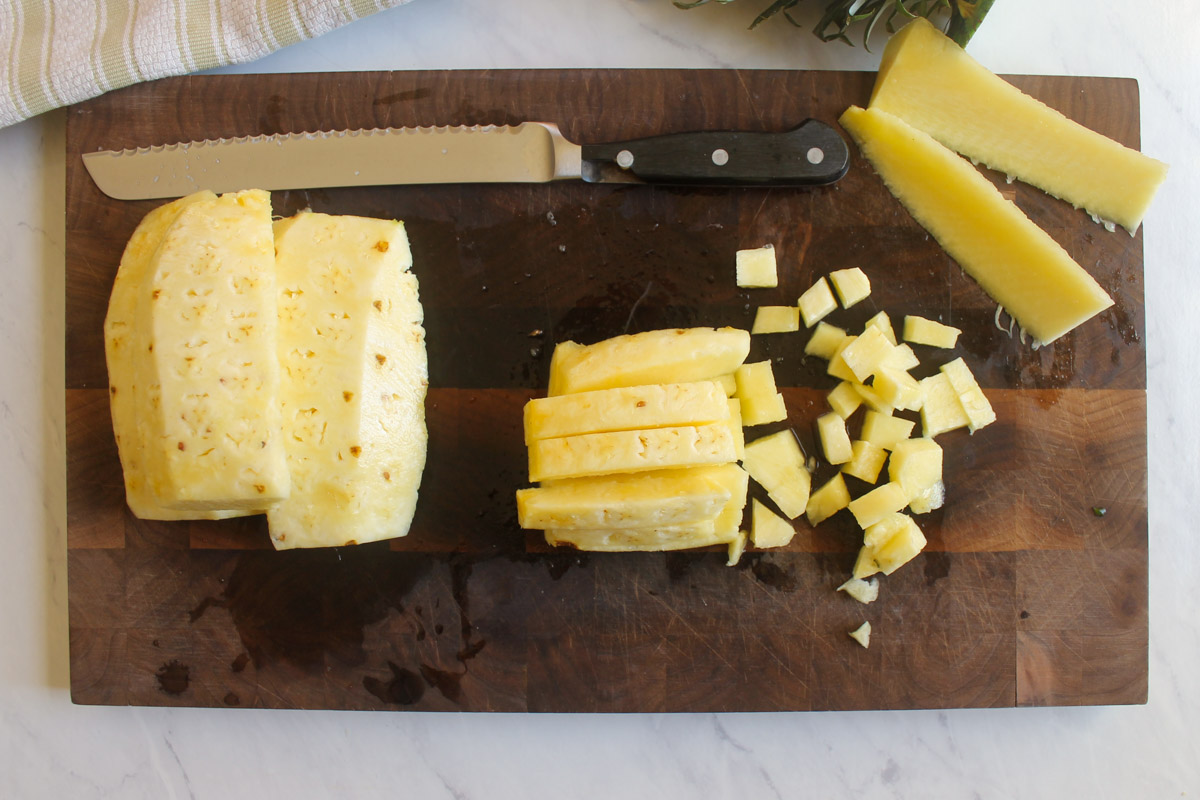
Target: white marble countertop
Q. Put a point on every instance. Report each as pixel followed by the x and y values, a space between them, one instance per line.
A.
pixel 50 748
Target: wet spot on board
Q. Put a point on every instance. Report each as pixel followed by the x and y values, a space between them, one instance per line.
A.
pixel 173 677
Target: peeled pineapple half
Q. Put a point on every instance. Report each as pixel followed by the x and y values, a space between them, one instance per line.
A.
pixel 279 369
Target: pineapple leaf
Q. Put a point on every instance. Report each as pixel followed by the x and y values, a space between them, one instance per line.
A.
pixel 964 16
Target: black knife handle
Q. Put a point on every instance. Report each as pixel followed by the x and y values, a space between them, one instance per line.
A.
pixel 809 155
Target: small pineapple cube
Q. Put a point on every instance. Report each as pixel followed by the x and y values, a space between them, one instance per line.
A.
pixel 916 464
pixel 852 285
pixel 768 529
pixel 863 591
pixel 898 389
pixel 919 330
pixel 902 357
pixel 735 427
pixel 974 403
pixel 756 268
pixel 844 399
pixel 761 401
pixel 941 408
pixel 877 504
pixel 889 544
pixel 736 548
pixel 866 460
pixel 873 399
pixel 728 383
pixel 834 440
pixel 866 354
pixel 862 634
pixel 777 463
pixel 776 319
pixel 884 323
pixel 884 430
pixel 837 365
pixel 816 302
pixel 825 341
pixel 828 500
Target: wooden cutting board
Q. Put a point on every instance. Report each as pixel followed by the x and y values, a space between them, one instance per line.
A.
pixel 1025 595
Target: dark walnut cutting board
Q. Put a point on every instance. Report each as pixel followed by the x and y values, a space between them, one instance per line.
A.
pixel 1024 596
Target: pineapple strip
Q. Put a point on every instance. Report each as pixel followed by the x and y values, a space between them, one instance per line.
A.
pixel 1014 260
pixel 722 529
pixel 625 408
pixel 631 451
pixel 677 355
pixel 637 500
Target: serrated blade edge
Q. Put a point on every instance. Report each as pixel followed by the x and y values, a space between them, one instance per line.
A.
pixel 530 152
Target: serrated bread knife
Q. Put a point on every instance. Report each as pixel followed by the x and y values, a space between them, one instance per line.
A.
pixel 532 152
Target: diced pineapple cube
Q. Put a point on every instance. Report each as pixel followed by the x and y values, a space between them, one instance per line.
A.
pixel 777 463
pixel 877 504
pixel 828 500
pixel 862 634
pixel 626 408
pixel 825 341
pixel 898 389
pixel 631 451
pixel 884 323
pixel 757 267
pixel 776 319
pixel 816 302
pixel 919 330
pixel 735 427
pixel 866 354
pixel 916 464
pixel 637 500
pixel 835 442
pixel 761 401
pixel 728 383
pixel 866 460
pixel 768 529
pixel 852 285
pixel 863 591
pixel 736 548
pixel 902 357
pixel 883 430
pixel 889 544
pixel 941 409
pixel 678 355
pixel 978 410
pixel 837 365
pixel 873 399
pixel 844 399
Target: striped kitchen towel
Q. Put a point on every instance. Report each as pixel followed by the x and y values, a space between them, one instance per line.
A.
pixel 57 52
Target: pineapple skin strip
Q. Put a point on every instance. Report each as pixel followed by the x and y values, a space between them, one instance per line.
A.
pixel 934 85
pixel 1016 262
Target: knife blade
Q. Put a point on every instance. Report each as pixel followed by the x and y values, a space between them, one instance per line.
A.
pixel 531 152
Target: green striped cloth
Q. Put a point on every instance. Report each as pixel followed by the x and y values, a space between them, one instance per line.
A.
pixel 57 52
